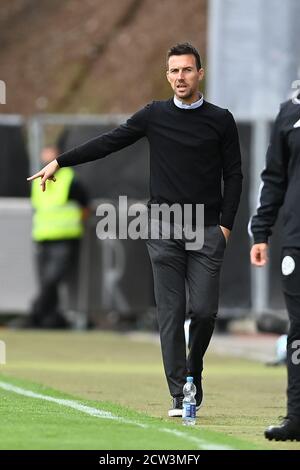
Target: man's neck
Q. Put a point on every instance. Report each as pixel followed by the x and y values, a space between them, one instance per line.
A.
pixel 191 99
pixel 192 103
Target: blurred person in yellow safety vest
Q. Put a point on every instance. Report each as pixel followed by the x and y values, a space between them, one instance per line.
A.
pixel 58 226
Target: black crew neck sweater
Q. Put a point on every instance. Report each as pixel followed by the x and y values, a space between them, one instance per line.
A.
pixel 191 151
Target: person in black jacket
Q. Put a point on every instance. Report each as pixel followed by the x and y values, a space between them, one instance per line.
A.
pixel 281 187
pixel 194 147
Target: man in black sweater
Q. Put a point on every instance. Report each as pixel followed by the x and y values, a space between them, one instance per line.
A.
pixel 194 146
pixel 281 187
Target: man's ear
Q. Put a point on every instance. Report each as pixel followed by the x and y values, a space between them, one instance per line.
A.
pixel 201 74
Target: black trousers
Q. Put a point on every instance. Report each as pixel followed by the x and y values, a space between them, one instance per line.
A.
pixel 174 267
pixel 291 290
pixel 54 260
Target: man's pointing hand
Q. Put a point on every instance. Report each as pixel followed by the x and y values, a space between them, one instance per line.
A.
pixel 46 173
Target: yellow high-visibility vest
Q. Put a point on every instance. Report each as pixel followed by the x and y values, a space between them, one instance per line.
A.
pixel 55 218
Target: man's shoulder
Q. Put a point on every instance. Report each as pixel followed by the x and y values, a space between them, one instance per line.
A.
pixel 154 105
pixel 289 111
pixel 217 110
pixel 156 108
pixel 290 104
pixel 160 103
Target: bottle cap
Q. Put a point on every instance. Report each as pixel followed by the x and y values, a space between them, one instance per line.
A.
pixel 189 379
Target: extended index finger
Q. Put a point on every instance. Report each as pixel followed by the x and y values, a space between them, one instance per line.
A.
pixel 36 175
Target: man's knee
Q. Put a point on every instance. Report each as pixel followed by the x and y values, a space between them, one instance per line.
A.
pixel 204 311
pixel 160 257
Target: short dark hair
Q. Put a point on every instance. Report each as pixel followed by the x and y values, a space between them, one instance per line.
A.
pixel 184 48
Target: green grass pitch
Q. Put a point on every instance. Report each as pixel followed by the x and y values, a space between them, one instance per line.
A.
pixel 112 373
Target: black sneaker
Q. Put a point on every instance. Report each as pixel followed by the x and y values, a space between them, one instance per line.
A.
pixel 176 410
pixel 288 430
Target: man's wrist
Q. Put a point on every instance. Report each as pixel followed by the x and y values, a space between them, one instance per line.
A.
pixel 259 238
pixel 226 222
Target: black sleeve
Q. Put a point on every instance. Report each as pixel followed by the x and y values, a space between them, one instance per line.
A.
pixel 79 193
pixel 232 173
pixel 126 134
pixel 273 188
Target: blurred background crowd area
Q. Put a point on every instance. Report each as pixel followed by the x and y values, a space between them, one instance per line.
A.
pixel 74 69
pixel 92 56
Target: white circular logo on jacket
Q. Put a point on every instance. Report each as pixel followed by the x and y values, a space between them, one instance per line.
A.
pixel 287 265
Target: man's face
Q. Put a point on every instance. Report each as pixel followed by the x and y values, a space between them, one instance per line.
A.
pixel 184 77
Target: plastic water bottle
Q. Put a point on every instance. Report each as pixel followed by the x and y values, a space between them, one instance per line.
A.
pixel 281 346
pixel 189 403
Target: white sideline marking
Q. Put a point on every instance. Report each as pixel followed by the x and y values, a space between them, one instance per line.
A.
pixel 201 443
